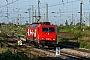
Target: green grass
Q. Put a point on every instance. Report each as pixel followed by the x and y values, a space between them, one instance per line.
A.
pixel 8 55
pixel 15 29
pixel 84 45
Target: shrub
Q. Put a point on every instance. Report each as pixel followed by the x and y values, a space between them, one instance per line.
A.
pixel 4 35
pixel 87 28
pixel 78 27
pixel 12 34
pixel 58 40
pixel 16 43
pixel 77 35
pixel 2 44
pixel 8 55
pixel 23 33
pixel 87 46
pixel 62 41
pixel 82 45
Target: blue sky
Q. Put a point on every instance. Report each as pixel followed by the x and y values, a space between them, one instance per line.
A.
pixel 63 10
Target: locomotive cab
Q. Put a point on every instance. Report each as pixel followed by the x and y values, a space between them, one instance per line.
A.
pixel 48 35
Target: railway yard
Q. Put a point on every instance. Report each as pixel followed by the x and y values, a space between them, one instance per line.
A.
pixel 67 52
pixel 44 30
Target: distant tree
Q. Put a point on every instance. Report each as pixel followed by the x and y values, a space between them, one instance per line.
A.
pixel 3 23
pixel 0 24
pixel 78 24
pixel 83 24
pixel 61 24
pixel 15 25
pixel 10 23
pixel 71 23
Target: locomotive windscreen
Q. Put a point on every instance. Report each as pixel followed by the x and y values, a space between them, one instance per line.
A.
pixel 50 29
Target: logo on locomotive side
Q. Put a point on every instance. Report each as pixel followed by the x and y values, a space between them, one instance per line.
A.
pixel 29 32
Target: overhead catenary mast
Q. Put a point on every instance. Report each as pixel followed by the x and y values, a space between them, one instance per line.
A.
pixel 89 15
pixel 29 15
pixel 46 12
pixel 39 11
pixel 35 16
pixel 32 14
pixel 20 20
pixel 81 14
pixel 7 9
pixel 89 19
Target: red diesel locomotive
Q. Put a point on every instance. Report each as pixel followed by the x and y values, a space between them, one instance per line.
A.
pixel 41 34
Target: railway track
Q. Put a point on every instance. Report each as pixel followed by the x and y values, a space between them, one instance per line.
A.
pixel 47 52
pixel 32 50
pixel 71 56
pixel 82 50
pixel 44 53
pixel 71 34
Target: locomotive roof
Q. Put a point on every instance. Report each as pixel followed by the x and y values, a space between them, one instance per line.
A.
pixel 36 24
pixel 48 23
pixel 33 25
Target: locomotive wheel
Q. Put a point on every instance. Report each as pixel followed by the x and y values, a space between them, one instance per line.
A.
pixel 34 43
pixel 40 45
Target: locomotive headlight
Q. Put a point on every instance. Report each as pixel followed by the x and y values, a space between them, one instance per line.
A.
pixel 53 39
pixel 42 38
